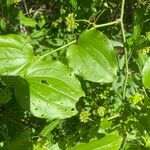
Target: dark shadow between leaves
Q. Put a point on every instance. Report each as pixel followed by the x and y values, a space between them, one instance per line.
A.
pixel 16 99
pixel 19 90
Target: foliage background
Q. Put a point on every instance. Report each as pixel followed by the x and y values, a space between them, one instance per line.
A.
pixel 119 108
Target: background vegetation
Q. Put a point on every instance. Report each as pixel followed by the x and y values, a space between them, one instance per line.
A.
pixel 75 74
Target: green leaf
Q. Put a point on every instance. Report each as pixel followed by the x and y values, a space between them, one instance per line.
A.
pixel 138 23
pixel 109 142
pixel 74 3
pixel 145 122
pixel 22 93
pixel 5 95
pixel 148 35
pixel 41 22
pixel 19 140
pixel 132 146
pixel 47 129
pixel 15 54
pixel 93 58
pixel 146 74
pixel 51 90
pixel 147 139
pixel 116 43
pixel 26 21
pixel 3 25
pixel 55 147
pixel 54 90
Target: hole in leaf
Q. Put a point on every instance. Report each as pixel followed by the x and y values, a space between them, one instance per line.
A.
pixel 72 109
pixel 44 82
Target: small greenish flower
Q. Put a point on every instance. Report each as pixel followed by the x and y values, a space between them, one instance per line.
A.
pixel 70 22
pixel 42 144
pixel 104 94
pixel 144 51
pixel 84 116
pixel 136 98
pixel 101 111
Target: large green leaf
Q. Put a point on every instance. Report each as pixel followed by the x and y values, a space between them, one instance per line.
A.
pixel 26 21
pixel 109 142
pixel 146 74
pixel 15 54
pixel 54 90
pixel 93 58
pixel 48 90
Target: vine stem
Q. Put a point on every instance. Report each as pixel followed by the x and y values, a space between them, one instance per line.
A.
pixel 125 50
pixel 95 26
pixel 25 7
pixel 64 46
pixel 126 60
pixel 106 24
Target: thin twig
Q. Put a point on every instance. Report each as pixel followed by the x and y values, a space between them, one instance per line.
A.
pixel 125 50
pixel 113 117
pixel 126 61
pixel 99 15
pixel 26 8
pixel 64 46
pixel 106 24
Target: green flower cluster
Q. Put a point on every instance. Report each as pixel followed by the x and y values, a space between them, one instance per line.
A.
pixel 105 94
pixel 84 116
pixel 101 111
pixel 70 22
pixel 136 98
pixel 144 51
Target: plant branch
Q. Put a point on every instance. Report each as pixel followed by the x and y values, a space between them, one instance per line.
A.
pixel 106 24
pixel 113 117
pixel 82 20
pixel 125 50
pixel 25 7
pixel 64 46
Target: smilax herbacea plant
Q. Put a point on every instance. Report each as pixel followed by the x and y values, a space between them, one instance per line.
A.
pixel 74 75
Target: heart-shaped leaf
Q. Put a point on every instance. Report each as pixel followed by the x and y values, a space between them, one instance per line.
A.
pixel 47 89
pixel 93 58
pixel 54 90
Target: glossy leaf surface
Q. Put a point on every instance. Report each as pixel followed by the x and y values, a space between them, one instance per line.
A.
pixel 93 58
pixel 109 142
pixel 15 54
pixel 54 90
